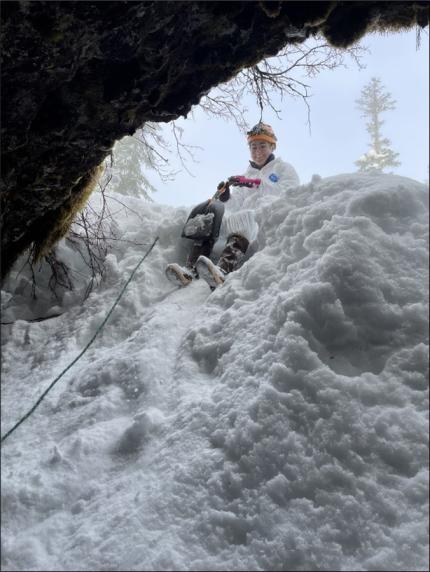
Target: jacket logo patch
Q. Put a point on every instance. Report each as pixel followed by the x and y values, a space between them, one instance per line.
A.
pixel 274 178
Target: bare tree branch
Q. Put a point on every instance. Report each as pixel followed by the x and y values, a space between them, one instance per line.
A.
pixel 277 77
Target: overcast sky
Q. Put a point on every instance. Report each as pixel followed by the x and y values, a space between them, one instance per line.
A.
pixel 338 136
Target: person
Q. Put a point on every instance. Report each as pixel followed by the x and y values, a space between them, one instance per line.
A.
pixel 238 231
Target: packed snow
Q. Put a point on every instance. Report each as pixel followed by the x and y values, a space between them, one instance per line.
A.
pixel 277 423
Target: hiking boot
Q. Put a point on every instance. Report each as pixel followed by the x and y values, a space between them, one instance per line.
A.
pixel 211 273
pixel 179 275
pixel 233 253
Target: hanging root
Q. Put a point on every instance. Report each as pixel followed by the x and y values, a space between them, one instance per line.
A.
pixel 58 223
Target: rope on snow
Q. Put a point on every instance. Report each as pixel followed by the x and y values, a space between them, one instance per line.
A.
pixel 83 351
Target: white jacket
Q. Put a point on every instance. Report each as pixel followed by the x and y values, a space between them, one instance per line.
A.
pixel 276 178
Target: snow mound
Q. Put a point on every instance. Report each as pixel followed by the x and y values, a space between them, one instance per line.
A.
pixel 278 423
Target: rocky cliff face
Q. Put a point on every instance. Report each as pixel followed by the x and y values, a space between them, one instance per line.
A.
pixel 77 76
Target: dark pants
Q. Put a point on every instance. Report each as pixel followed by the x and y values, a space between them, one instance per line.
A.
pixel 204 246
pixel 200 248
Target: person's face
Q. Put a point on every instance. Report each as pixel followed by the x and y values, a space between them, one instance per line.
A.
pixel 260 151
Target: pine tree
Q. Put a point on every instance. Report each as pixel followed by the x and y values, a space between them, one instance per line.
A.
pixel 372 103
pixel 129 160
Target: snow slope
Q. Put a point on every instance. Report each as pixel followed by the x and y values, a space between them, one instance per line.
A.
pixel 278 423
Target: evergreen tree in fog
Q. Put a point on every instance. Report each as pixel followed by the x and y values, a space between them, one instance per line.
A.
pixel 372 102
pixel 129 160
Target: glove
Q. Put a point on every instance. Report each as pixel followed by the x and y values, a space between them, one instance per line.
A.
pixel 224 195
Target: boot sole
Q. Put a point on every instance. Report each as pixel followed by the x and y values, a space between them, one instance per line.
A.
pixel 176 276
pixel 208 274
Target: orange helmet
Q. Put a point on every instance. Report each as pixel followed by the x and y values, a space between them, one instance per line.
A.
pixel 262 132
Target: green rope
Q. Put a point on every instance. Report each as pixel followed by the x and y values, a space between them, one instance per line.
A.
pixel 83 351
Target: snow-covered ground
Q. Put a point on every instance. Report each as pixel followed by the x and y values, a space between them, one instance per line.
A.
pixel 278 423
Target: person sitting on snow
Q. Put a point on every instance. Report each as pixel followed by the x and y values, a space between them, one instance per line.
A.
pixel 240 228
